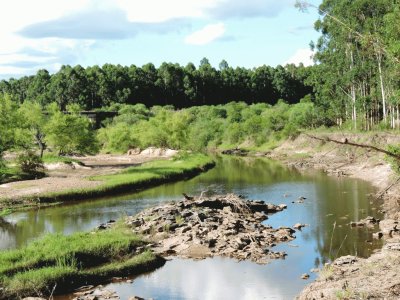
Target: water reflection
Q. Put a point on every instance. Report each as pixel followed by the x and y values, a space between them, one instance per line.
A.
pixel 330 205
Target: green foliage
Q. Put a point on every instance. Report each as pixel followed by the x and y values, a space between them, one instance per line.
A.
pixel 11 133
pixel 51 158
pixel 65 262
pixel 208 127
pixel 181 86
pixel 30 163
pixel 69 133
pixel 395 163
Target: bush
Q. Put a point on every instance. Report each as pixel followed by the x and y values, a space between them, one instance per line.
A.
pixel 30 163
pixel 395 163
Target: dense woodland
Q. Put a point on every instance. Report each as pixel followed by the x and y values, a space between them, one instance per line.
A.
pixel 170 84
pixel 355 84
pixel 357 77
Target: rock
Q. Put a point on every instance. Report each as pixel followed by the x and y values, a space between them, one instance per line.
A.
pixel 224 225
pixel 392 247
pixel 345 260
pixel 305 276
pixel 236 151
pixel 136 298
pixel 134 151
pixel 282 206
pixel 377 235
pixel 155 152
pixel 314 270
pixel 389 227
pixel 299 226
pixel 33 298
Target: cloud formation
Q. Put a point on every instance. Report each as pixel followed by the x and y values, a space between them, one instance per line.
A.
pixel 227 9
pixel 206 35
pixel 304 56
pixel 48 33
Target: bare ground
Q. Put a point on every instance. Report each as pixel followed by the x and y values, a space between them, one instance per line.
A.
pixel 62 177
pixel 377 277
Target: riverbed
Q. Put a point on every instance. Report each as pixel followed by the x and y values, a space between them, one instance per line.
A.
pixel 330 204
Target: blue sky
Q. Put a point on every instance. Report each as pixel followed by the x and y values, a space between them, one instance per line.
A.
pixel 49 33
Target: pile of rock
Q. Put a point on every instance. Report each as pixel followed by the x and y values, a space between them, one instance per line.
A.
pixel 368 221
pixel 224 225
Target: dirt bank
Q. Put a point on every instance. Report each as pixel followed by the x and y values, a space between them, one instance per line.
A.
pixel 64 177
pixel 354 278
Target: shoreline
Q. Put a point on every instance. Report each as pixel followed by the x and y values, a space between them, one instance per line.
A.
pixel 130 179
pixel 352 277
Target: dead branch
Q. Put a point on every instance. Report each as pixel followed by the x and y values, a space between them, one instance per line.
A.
pixel 347 142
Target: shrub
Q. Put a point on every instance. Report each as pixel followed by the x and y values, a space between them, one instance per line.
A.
pixel 30 163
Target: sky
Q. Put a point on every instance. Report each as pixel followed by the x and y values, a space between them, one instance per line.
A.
pixel 45 34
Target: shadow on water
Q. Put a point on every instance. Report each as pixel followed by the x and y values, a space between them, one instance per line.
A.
pixel 331 203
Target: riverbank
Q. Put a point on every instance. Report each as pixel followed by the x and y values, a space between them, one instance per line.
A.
pixel 100 177
pixel 58 264
pixel 354 278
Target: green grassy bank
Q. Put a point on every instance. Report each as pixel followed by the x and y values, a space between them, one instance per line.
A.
pixel 134 178
pixel 63 263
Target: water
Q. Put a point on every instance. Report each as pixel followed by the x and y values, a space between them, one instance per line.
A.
pixel 330 205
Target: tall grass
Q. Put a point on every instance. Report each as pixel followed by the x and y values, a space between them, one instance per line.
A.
pixel 65 262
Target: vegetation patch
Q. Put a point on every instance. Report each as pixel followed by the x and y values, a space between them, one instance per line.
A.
pixel 58 263
pixel 51 159
pixel 133 178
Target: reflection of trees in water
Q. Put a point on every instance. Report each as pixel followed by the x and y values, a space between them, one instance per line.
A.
pixel 7 234
pixel 341 201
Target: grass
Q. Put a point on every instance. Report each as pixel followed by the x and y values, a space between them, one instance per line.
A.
pixel 144 176
pixel 10 174
pixel 134 178
pixel 49 158
pixel 63 263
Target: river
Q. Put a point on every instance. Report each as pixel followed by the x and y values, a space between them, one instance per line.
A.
pixel 330 204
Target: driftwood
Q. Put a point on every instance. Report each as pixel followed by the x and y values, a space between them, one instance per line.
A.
pixel 347 142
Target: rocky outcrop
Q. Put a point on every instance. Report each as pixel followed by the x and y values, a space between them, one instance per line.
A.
pixel 158 152
pixel 224 225
pixel 236 151
pixel 368 221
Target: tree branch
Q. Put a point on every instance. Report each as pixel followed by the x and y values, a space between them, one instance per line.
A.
pixel 347 142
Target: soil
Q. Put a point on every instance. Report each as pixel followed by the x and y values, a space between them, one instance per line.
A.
pixel 62 177
pixel 349 277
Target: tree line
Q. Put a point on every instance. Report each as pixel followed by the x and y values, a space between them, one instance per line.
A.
pixel 171 84
pixel 356 81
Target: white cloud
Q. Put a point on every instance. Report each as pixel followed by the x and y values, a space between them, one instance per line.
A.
pixel 206 35
pixel 304 56
pixel 61 44
pixel 161 10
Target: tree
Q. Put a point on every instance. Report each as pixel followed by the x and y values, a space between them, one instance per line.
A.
pixel 69 133
pixel 34 121
pixel 9 124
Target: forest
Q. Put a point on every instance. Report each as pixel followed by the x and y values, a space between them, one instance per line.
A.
pixel 171 84
pixel 354 85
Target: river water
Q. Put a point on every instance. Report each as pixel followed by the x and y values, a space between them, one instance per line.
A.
pixel 331 203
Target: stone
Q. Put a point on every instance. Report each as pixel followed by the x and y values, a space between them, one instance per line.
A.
pixel 224 225
pixel 345 260
pixel 392 247
pixel 377 235
pixel 305 276
pixel 299 226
